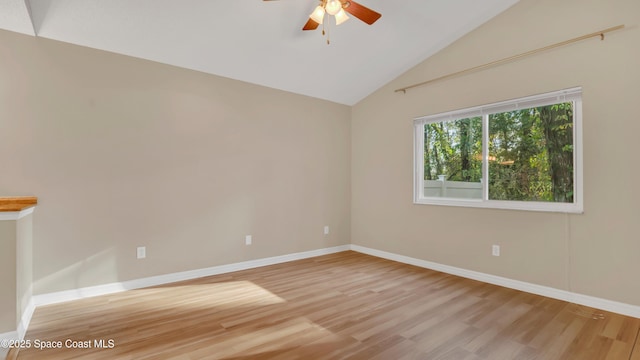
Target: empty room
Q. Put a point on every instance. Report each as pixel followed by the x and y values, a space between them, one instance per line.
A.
pixel 261 179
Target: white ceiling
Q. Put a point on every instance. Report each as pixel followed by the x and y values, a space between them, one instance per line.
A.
pixel 260 42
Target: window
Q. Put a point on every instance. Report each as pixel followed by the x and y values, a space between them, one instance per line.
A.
pixel 522 154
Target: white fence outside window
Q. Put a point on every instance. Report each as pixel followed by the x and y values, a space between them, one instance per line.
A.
pixel 452 189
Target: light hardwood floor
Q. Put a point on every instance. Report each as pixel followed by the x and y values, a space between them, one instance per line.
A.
pixel 340 306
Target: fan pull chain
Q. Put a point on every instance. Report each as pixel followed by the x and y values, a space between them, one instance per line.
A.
pixel 328 33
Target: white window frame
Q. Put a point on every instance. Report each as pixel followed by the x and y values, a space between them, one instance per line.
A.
pixel 573 94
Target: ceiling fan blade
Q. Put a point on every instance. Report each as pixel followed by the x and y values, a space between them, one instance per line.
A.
pixel 361 12
pixel 310 25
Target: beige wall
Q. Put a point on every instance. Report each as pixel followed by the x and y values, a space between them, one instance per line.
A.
pixel 7 276
pixel 123 152
pixel 595 253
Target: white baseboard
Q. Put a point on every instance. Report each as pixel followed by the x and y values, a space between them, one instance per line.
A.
pixel 22 329
pixel 75 294
pixel 68 295
pixel 591 301
pixel 13 335
pixel 25 319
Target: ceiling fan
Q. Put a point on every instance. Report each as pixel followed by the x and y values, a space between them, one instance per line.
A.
pixel 339 8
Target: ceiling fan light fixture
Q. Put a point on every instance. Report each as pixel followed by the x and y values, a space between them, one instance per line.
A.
pixel 341 17
pixel 317 15
pixel 333 7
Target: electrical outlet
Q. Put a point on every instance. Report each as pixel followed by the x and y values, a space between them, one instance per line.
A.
pixel 326 229
pixel 495 250
pixel 141 252
pixel 248 240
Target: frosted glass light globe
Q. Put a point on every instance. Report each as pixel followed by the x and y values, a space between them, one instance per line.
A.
pixel 317 15
pixel 333 7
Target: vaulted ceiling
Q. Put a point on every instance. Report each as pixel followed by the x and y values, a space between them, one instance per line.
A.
pixel 257 41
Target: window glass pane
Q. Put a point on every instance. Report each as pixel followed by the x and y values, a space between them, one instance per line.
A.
pixel 531 154
pixel 453 159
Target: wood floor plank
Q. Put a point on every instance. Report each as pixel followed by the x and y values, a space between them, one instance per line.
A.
pixel 635 352
pixel 339 306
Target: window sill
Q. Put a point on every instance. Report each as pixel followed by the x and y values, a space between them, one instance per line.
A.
pixel 574 208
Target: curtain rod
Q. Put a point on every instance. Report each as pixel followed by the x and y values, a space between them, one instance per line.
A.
pixel 514 57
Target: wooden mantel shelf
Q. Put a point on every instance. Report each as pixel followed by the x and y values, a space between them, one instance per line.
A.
pixel 17 203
